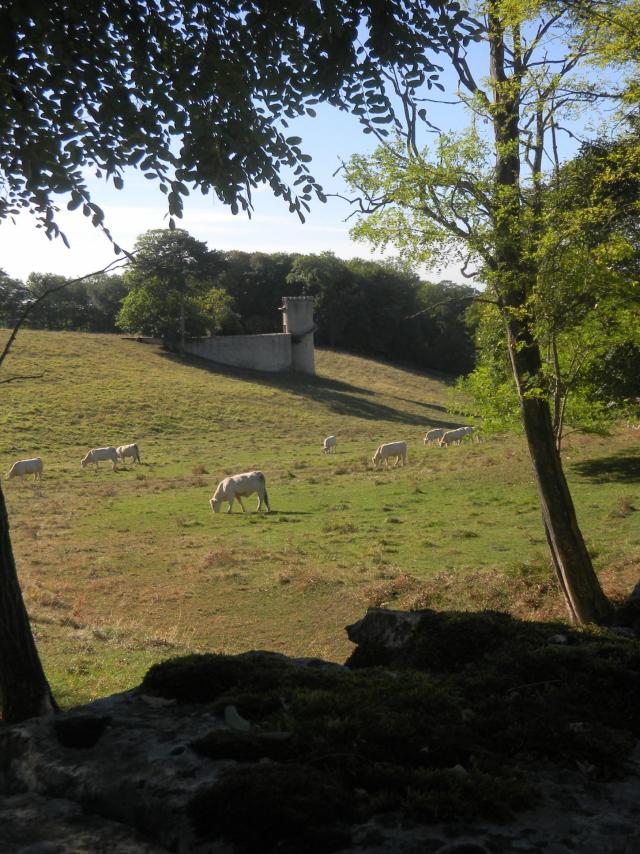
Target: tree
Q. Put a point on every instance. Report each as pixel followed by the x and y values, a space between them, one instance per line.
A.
pixel 482 197
pixel 332 284
pixel 441 334
pixel 104 295
pixel 66 307
pixel 12 296
pixel 222 318
pixel 257 281
pixel 193 94
pixel 170 273
pixel 586 301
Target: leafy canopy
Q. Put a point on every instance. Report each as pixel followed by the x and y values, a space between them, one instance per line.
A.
pixel 194 94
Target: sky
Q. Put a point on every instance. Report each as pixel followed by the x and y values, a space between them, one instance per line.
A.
pixel 329 138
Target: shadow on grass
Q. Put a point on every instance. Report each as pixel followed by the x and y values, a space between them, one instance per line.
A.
pixel 621 468
pixel 289 513
pixel 340 397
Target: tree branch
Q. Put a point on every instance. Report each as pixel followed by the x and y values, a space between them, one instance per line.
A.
pixel 449 302
pixel 112 265
pixel 25 377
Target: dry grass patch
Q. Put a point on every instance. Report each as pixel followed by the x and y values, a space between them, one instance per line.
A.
pixel 396 585
pixel 624 507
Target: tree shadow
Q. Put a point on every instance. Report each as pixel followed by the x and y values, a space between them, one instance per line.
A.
pixel 621 468
pixel 289 513
pixel 338 396
pixel 437 406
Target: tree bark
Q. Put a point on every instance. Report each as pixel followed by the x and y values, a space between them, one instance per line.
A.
pixel 515 278
pixel 578 581
pixel 24 689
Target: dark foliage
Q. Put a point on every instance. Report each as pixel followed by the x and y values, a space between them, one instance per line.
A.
pixel 193 94
pixel 365 307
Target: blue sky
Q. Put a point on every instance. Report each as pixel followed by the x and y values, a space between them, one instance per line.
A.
pixel 329 138
pixel 332 135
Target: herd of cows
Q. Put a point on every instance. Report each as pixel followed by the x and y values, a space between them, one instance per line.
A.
pixel 239 486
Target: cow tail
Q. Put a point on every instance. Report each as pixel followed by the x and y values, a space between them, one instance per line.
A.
pixel 266 499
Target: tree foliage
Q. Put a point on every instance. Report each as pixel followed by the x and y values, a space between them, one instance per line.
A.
pixel 193 94
pixel 586 303
pixel 167 280
pixel 484 195
pixel 12 296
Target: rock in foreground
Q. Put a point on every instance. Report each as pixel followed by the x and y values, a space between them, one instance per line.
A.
pixel 447 732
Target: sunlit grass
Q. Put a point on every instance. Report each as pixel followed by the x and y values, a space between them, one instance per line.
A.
pixel 122 569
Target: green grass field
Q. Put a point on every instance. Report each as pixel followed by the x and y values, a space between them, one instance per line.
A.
pixel 124 569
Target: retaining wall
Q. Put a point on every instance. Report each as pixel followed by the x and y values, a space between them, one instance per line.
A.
pixel 261 352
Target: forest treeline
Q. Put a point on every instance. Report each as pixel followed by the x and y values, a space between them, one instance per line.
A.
pixel 367 307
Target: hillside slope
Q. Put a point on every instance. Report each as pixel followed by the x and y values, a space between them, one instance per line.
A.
pixel 120 568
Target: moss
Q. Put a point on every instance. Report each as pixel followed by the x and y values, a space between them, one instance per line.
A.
pixel 481 691
pixel 285 808
pixel 204 678
pixel 245 746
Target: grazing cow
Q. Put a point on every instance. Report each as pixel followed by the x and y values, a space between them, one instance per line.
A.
pixel 391 449
pixel 128 451
pixel 431 435
pixel 22 467
pixel 239 485
pixel 329 445
pixel 97 454
pixel 453 437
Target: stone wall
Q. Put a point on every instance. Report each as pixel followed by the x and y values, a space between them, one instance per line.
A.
pixel 259 352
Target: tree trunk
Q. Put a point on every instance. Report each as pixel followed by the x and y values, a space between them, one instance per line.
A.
pixel 579 583
pixel 515 277
pixel 24 688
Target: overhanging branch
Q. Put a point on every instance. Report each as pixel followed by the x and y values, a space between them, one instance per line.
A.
pixel 112 265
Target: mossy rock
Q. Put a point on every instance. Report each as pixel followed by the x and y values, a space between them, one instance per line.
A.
pixel 452 736
pixel 448 642
pixel 285 808
pixel 205 678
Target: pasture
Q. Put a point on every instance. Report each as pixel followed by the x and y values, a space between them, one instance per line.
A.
pixel 124 569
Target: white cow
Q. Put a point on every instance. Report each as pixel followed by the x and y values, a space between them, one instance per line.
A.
pixel 391 449
pixel 22 467
pixel 128 451
pixel 97 454
pixel 329 445
pixel 431 435
pixel 238 486
pixel 453 437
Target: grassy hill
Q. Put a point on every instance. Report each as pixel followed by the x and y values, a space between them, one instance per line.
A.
pixel 124 569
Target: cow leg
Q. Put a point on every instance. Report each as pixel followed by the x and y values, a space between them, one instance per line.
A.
pixel 241 504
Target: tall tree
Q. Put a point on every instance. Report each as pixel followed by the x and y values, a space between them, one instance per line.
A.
pixel 167 277
pixel 194 94
pixel 481 196
pixel 104 295
pixel 587 301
